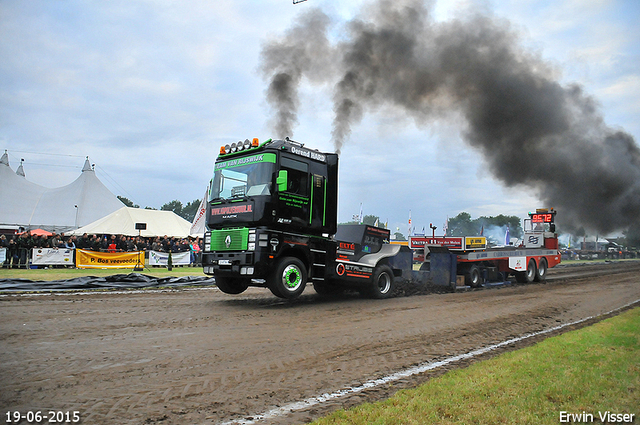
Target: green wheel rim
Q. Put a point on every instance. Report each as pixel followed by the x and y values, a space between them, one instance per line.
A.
pixel 291 277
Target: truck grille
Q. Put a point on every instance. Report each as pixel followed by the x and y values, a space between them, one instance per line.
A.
pixel 229 239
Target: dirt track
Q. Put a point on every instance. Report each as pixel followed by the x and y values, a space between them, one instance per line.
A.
pixel 200 356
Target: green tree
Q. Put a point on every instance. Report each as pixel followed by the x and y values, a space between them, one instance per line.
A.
pixel 189 211
pixel 513 221
pixel 127 202
pixel 399 236
pixel 371 220
pixel 462 225
pixel 175 206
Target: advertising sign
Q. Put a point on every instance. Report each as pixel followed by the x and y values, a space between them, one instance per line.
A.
pixel 475 242
pixel 449 242
pixel 108 260
pixel 52 256
pixel 177 258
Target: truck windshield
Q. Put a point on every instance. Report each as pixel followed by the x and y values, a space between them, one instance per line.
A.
pixel 240 177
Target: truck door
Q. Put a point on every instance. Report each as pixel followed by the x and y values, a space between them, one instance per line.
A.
pixel 294 191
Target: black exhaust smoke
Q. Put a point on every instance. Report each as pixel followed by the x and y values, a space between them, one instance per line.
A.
pixel 534 133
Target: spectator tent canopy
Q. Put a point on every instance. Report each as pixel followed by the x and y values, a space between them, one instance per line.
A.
pixel 123 222
pixel 28 205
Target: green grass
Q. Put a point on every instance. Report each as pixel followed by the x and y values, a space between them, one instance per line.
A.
pixel 70 273
pixel 595 369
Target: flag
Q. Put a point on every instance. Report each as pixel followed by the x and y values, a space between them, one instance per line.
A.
pixel 198 224
pixel 482 231
pixel 377 223
pixel 507 238
pixel 361 216
pixel 409 231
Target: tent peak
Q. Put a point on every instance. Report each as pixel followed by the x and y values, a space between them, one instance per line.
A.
pixel 87 166
pixel 5 158
pixel 20 170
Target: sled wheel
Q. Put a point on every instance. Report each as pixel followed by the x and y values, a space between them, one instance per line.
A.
pixel 541 275
pixel 474 276
pixel 528 275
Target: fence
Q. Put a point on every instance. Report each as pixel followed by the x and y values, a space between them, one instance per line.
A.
pixel 61 257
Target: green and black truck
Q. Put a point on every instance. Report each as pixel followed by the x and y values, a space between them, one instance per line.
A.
pixel 272 222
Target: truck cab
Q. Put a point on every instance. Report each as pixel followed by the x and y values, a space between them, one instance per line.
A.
pixel 271 213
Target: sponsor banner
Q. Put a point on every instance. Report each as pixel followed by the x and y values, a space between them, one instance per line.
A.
pixel 108 260
pixel 52 256
pixel 177 258
pixel 3 255
pixel 475 242
pixel 449 242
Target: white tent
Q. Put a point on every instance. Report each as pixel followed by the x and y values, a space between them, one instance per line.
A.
pixel 123 222
pixel 18 197
pixel 31 206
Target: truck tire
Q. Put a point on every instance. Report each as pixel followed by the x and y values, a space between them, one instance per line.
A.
pixel 382 284
pixel 541 274
pixel 474 276
pixel 232 285
pixel 288 279
pixel 529 275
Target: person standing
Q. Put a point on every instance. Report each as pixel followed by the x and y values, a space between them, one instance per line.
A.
pixel 4 243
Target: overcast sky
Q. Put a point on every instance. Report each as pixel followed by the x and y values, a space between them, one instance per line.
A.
pixel 149 90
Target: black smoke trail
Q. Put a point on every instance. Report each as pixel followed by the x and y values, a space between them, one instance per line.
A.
pixel 533 132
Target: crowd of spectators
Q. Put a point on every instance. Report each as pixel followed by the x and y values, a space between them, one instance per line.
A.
pixel 19 246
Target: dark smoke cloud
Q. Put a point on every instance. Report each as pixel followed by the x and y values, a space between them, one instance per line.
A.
pixel 533 132
pixel 304 50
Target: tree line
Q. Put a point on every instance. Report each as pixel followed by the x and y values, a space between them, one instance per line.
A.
pixel 464 225
pixel 188 211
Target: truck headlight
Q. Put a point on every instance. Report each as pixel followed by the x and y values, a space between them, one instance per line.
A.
pixel 251 246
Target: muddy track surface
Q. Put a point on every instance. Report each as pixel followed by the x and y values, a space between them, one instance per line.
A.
pixel 200 356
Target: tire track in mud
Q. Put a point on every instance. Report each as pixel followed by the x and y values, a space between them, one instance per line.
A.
pixel 205 357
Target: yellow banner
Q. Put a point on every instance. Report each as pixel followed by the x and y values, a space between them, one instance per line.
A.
pixel 108 260
pixel 476 242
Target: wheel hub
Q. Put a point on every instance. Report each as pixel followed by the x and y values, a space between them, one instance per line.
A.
pixel 291 277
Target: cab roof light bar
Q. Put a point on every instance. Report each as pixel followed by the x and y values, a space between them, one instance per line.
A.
pixel 241 146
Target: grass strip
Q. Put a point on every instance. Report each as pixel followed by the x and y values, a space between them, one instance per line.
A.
pixel 592 370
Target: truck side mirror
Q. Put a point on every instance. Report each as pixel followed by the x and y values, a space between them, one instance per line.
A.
pixel 282 180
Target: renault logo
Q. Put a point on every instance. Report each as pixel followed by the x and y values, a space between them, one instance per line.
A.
pixel 227 241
